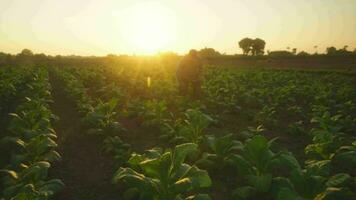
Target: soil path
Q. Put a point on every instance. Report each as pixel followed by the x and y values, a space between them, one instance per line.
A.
pixel 86 172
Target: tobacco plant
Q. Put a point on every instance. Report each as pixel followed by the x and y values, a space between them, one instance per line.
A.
pixel 162 175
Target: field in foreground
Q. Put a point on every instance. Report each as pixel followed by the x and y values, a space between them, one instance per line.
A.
pixel 108 133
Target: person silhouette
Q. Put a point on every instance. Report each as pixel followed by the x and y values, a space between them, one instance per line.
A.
pixel 189 74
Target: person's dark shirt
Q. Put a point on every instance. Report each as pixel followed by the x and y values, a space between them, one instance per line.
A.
pixel 189 68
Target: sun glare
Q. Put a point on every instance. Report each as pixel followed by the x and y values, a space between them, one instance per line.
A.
pixel 151 28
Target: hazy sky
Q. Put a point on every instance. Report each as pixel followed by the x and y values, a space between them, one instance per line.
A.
pixel 99 27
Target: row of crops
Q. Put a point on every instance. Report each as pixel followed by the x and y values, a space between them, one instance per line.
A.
pixel 239 141
pixel 189 156
pixel 28 141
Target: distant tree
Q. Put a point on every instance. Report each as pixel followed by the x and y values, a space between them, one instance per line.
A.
pixel 355 51
pixel 294 51
pixel 282 53
pixel 246 45
pixel 338 52
pixel 303 53
pixel 26 52
pixel 344 51
pixel 258 47
pixel 40 59
pixel 331 51
pixel 208 52
pixel 25 58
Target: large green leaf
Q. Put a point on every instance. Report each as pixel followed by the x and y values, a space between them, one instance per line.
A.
pixel 288 194
pixel 151 167
pixel 199 178
pixel 181 151
pixel 112 103
pixel 135 160
pixel 180 171
pixel 257 152
pixel 333 193
pixel 182 185
pixel 338 180
pixel 243 166
pixel 319 167
pixel 14 140
pixel 137 180
pixel 156 177
pixel 244 192
pixel 10 173
pixel 52 156
pixel 37 171
pixel 287 159
pixel 306 183
pixel 50 187
pixel 262 183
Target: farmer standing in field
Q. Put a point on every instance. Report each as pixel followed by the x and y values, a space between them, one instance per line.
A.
pixel 189 74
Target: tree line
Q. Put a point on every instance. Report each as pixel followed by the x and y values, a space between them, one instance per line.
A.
pixel 250 48
pixel 256 47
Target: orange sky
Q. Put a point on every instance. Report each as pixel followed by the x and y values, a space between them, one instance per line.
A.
pixel 93 27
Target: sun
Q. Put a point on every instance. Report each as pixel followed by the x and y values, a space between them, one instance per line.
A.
pixel 151 28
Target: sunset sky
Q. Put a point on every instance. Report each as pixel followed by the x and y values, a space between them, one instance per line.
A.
pixel 100 27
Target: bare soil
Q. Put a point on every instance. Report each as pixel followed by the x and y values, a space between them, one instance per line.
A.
pixel 84 169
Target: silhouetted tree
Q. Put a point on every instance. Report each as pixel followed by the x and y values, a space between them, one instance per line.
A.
pixel 208 52
pixel 246 45
pixel 294 51
pixel 26 52
pixel 331 50
pixel 344 51
pixel 338 52
pixel 258 47
pixel 303 53
pixel 25 58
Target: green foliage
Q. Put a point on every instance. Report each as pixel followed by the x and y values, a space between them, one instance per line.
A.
pixel 190 128
pixel 32 144
pixel 102 119
pixel 297 128
pixel 193 126
pixel 319 105
pixel 164 175
pixel 30 182
pixel 76 90
pixel 155 113
pixel 255 163
pixel 118 148
pixel 266 116
pixel 220 149
pixel 251 131
pixel 344 159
